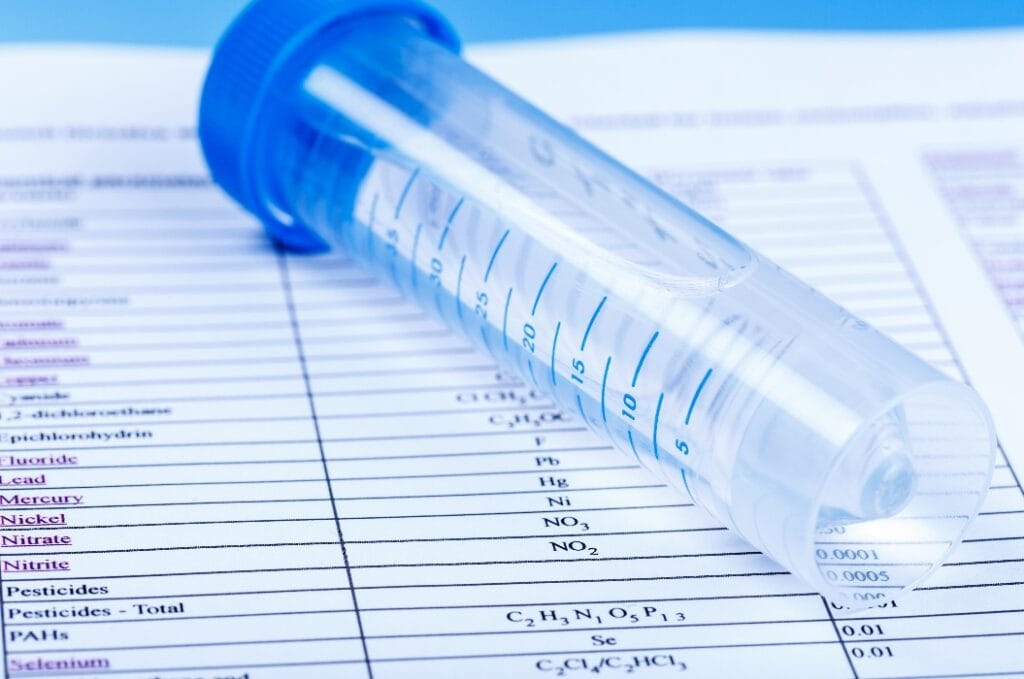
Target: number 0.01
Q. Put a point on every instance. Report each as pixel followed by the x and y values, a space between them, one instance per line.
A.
pixel 872 652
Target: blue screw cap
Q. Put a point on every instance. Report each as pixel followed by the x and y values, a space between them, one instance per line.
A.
pixel 260 40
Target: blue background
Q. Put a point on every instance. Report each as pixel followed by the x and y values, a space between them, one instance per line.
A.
pixel 199 22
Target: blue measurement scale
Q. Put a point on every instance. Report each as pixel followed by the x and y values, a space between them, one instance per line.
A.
pixel 356 125
pixel 524 308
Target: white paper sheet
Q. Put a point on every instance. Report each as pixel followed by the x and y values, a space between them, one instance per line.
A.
pixel 219 461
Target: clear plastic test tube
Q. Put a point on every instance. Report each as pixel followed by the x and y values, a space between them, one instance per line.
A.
pixel 837 452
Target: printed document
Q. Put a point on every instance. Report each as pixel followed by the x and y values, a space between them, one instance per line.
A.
pixel 219 460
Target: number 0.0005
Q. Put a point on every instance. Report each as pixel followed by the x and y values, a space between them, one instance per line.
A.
pixel 857 576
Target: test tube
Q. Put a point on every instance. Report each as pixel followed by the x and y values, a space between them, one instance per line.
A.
pixel 837 452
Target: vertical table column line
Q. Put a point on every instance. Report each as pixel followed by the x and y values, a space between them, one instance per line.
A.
pixel 839 637
pixel 293 318
pixel 3 629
